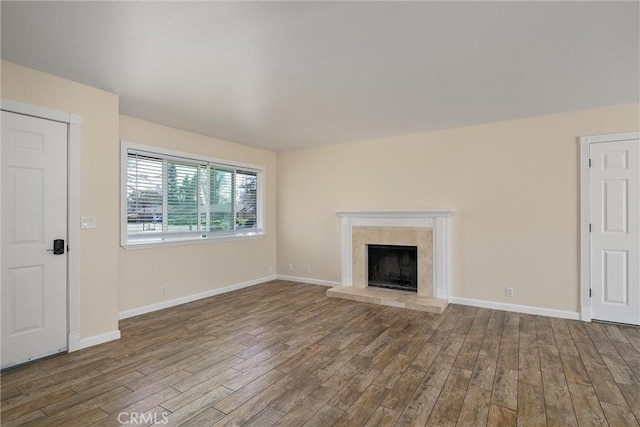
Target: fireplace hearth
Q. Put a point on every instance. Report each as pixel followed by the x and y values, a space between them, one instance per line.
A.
pixel 393 267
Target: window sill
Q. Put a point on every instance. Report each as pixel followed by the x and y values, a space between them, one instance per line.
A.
pixel 157 243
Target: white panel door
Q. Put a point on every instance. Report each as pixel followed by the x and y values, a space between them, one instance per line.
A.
pixel 34 214
pixel 615 231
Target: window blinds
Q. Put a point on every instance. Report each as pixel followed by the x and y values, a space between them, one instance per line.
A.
pixel 171 197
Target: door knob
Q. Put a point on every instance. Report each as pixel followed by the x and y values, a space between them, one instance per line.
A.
pixel 58 247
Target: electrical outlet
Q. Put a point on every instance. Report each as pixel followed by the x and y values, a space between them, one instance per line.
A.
pixel 508 292
pixel 307 268
pixel 290 267
pixel 163 290
pixel 270 269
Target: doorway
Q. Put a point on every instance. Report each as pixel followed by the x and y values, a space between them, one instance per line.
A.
pixel 611 227
pixel 40 194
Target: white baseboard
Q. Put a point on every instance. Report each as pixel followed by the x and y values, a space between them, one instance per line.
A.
pixel 77 343
pixel 516 308
pixel 189 298
pixel 309 280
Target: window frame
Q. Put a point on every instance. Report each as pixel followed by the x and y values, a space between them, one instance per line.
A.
pixel 154 240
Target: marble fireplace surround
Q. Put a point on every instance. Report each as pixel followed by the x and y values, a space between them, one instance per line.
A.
pixel 426 229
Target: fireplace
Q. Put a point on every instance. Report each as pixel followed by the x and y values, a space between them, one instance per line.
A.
pixel 425 231
pixel 393 267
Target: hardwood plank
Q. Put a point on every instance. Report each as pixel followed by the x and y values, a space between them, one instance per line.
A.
pixel 574 370
pixel 420 405
pixel 529 370
pixel 505 388
pixel 618 415
pixel 565 344
pixel 475 408
pixel 624 364
pixel 631 393
pixel 327 416
pixel 162 374
pixel 484 372
pixel 556 390
pixel 613 332
pixel 531 408
pixel 83 412
pixel 382 417
pixel 455 388
pixel 195 403
pixel 182 398
pixel 294 397
pixel 586 405
pixel 205 418
pixel 196 406
pixel 425 357
pixel 393 371
pixel 138 407
pixel 345 374
pixel 443 415
pixel 282 353
pixel 550 358
pixel 193 380
pixel 403 390
pixel 499 416
pixel 605 387
pixel 439 371
pixel 314 410
pixel 98 390
pixel 22 404
pixel 468 354
pixel 560 418
pixel 236 398
pixel 267 417
pixel 250 408
pixel 117 404
pixel 544 331
pixel 352 391
pixel 24 418
pixel 363 408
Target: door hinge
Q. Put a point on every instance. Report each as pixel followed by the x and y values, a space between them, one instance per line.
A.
pixel 589 292
pixel 589 227
pixel 589 162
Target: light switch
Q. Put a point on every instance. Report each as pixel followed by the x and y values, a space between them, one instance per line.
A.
pixel 88 222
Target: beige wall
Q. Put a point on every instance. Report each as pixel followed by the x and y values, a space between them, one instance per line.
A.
pixel 192 269
pixel 514 184
pixel 99 183
pixel 113 279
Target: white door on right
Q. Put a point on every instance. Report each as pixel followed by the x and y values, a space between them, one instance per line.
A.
pixel 615 231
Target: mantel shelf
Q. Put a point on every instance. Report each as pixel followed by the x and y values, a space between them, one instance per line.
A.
pixel 423 213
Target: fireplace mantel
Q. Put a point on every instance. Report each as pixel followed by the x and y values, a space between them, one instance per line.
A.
pixel 437 219
pixel 427 213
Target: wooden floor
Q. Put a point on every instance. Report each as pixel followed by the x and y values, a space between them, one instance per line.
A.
pixel 283 353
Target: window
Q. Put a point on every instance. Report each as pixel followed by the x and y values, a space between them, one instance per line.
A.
pixel 173 197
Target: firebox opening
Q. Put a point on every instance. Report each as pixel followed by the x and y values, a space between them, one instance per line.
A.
pixel 393 267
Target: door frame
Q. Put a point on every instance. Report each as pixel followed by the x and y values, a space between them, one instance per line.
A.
pixel 74 126
pixel 585 205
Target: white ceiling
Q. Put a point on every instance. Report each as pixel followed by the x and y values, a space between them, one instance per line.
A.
pixel 295 74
